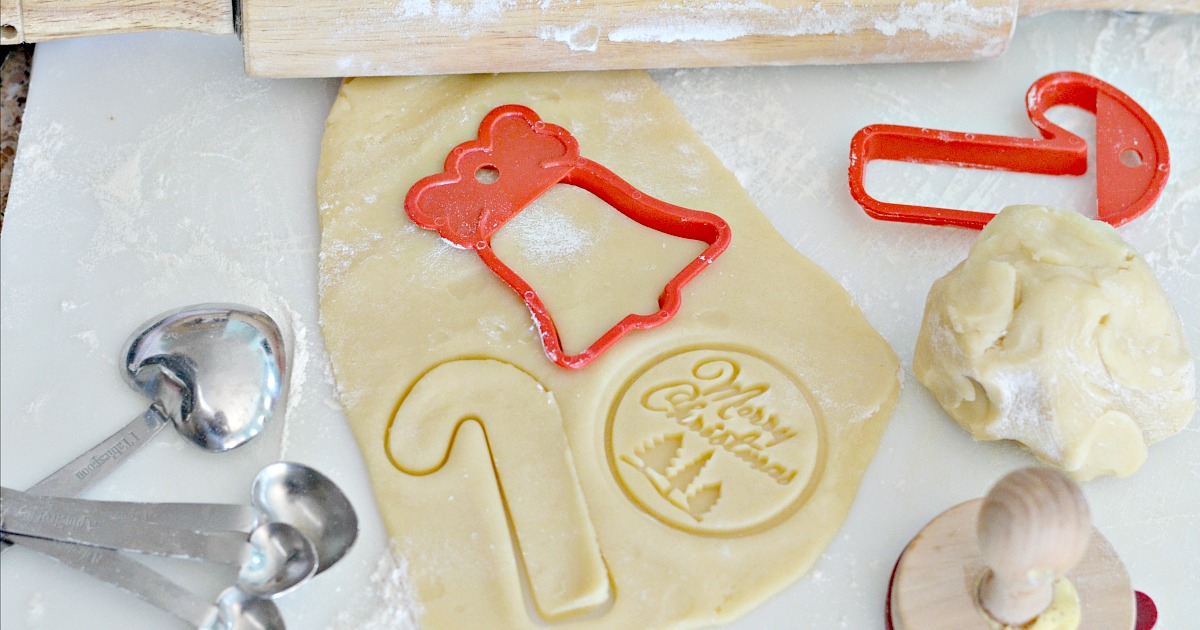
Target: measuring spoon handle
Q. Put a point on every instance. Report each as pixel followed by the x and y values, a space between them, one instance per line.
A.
pixel 85 471
pixel 88 469
pixel 198 517
pixel 99 524
pixel 128 575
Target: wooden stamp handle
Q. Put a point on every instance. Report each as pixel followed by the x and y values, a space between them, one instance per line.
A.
pixel 1033 527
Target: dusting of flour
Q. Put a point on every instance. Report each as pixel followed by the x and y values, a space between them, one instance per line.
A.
pixel 1025 411
pixel 957 21
pixel 390 604
pixel 550 232
pixel 578 28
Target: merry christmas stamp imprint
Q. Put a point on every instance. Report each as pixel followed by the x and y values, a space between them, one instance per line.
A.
pixel 715 441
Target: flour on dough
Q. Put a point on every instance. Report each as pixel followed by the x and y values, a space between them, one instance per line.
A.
pixel 1055 333
pixel 684 476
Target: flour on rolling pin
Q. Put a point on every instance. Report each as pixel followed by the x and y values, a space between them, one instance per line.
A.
pixel 383 37
pixel 445 37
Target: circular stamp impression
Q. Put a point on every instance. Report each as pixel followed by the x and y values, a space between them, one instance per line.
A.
pixel 715 441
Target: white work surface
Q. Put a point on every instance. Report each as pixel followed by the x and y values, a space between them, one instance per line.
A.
pixel 153 174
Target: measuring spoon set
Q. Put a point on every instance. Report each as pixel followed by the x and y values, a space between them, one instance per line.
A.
pixel 217 373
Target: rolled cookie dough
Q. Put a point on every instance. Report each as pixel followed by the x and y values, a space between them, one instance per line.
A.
pixel 684 476
pixel 1055 333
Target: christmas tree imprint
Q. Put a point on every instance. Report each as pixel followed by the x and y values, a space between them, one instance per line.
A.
pixel 660 461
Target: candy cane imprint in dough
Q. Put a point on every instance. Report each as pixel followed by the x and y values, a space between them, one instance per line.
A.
pixel 540 490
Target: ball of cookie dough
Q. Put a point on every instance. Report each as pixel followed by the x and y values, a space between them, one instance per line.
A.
pixel 1055 333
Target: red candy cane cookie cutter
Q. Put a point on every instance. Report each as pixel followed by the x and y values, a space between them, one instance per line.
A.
pixel 518 157
pixel 1132 161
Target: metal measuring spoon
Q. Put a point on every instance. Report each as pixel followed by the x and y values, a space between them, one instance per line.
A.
pixel 233 610
pixel 237 610
pixel 284 492
pixel 273 558
pixel 217 372
pixel 280 559
pixel 303 497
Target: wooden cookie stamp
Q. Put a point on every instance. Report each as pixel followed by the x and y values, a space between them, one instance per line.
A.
pixel 1025 556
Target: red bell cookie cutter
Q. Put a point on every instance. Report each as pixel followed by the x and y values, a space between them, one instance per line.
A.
pixel 1132 162
pixel 517 158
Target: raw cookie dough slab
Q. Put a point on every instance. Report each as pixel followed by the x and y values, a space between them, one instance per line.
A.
pixel 715 456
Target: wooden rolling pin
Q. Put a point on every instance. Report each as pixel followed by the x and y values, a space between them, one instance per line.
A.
pixel 1024 556
pixel 317 38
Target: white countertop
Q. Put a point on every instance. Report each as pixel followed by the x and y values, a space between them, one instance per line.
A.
pixel 152 174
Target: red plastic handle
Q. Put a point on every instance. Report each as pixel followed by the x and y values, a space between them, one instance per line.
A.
pixel 1132 160
pixel 517 158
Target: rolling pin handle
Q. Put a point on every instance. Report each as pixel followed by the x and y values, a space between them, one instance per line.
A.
pixel 28 22
pixel 1033 527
